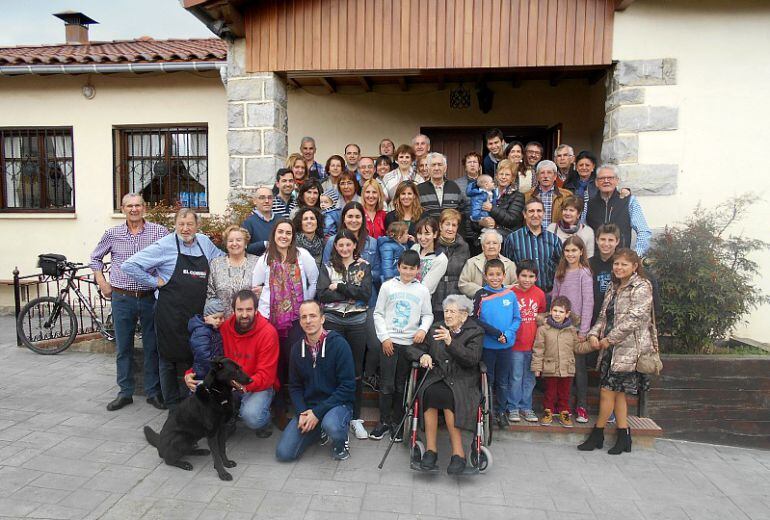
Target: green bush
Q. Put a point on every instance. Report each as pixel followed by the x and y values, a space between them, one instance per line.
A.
pixel 706 276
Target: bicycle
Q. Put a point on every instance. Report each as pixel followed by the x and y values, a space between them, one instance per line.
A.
pixel 48 325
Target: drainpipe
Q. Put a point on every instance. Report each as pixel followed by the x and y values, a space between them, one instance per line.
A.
pixel 112 68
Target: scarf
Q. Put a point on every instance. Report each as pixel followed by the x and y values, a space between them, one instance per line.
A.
pixel 563 325
pixel 313 245
pixel 566 228
pixel 286 295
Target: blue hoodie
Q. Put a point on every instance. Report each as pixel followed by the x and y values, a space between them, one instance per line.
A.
pixel 205 343
pixel 497 311
pixel 328 382
pixel 390 252
pixel 477 198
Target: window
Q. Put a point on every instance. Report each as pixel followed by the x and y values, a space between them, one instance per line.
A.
pixel 37 171
pixel 167 164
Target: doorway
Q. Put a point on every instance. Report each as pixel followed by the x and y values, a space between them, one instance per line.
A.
pixel 455 142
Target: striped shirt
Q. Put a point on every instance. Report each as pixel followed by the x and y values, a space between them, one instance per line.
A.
pixel 544 249
pixel 122 245
pixel 283 209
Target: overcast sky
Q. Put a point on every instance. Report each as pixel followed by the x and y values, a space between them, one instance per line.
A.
pixel 32 21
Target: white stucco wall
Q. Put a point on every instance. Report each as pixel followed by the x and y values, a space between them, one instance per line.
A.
pixel 120 100
pixel 352 115
pixel 723 73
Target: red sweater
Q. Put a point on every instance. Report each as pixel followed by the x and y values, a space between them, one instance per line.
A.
pixel 256 351
pixel 531 303
pixel 376 227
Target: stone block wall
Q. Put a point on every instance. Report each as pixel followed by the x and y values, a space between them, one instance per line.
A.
pixel 628 115
pixel 257 118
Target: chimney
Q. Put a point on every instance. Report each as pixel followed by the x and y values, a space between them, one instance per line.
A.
pixel 75 26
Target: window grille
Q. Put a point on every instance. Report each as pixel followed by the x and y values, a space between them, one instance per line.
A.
pixel 37 170
pixel 165 164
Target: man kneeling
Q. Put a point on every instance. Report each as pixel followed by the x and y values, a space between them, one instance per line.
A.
pixel 322 384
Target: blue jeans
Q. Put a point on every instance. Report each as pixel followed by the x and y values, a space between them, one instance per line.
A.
pixel 293 443
pixel 499 363
pixel 522 382
pixel 255 408
pixel 126 310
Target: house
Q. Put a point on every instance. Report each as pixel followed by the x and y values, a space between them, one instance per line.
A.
pixel 85 122
pixel 674 91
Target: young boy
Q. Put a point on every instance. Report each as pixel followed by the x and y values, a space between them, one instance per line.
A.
pixel 553 356
pixel 403 315
pixel 391 246
pixel 480 191
pixel 531 304
pixel 205 339
pixel 497 311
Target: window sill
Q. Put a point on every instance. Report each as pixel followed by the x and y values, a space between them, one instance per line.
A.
pixel 37 216
pixel 121 216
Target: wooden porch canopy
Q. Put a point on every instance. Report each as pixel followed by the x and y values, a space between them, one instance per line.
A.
pixel 331 38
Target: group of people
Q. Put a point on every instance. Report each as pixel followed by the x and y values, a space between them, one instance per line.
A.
pixel 347 272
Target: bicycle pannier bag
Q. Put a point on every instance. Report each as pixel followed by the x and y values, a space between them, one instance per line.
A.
pixel 52 264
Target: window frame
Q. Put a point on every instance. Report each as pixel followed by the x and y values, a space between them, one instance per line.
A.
pixel 120 155
pixel 41 133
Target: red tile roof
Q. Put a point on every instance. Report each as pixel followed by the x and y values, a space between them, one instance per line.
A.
pixel 143 50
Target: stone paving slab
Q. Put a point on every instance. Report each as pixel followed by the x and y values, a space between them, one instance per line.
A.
pixel 62 455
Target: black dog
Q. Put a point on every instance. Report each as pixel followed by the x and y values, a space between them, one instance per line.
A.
pixel 202 414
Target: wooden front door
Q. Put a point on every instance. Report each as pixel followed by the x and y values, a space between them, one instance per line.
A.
pixel 455 142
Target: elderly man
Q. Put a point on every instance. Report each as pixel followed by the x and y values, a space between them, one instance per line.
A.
pixel 533 242
pixel 322 383
pixel 308 149
pixel 496 145
pixel 352 156
pixel 366 171
pixel 439 193
pixel 421 146
pixel 284 200
pixel 564 156
pixel 609 207
pixel 472 276
pixel 549 194
pixel 131 301
pixel 260 223
pixel 178 266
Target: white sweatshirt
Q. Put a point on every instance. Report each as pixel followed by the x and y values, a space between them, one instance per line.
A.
pixel 401 310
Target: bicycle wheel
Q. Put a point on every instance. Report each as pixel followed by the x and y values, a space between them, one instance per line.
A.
pixel 47 327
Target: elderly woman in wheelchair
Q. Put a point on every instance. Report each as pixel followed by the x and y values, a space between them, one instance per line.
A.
pixel 455 383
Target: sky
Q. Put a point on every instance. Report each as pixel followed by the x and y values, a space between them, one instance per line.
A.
pixel 32 21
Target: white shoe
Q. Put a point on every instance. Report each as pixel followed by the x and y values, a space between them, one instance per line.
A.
pixel 357 427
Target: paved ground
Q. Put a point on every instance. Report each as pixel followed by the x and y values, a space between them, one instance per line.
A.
pixel 62 455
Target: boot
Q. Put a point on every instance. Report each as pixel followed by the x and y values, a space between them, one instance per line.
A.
pixel 594 441
pixel 623 443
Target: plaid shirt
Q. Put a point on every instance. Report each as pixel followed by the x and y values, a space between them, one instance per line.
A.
pixel 121 245
pixel 544 249
pixel 547 198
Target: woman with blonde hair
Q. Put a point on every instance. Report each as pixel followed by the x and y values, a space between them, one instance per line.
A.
pixel 373 200
pixel 296 163
pixel 229 274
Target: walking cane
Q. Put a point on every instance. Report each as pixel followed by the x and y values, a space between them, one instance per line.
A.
pixel 403 419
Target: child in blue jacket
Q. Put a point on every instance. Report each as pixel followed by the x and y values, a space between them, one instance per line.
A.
pixel 391 246
pixel 480 191
pixel 205 339
pixel 496 309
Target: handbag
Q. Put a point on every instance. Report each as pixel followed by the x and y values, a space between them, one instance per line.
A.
pixel 649 361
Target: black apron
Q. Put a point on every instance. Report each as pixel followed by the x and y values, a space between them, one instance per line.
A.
pixel 181 298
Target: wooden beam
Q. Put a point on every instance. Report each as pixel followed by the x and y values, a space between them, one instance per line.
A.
pixel 329 84
pixel 594 77
pixel 292 82
pixel 234 20
pixel 621 5
pixel 403 83
pixel 441 82
pixel 555 79
pixel 365 83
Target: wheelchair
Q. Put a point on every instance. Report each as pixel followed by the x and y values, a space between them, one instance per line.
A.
pixel 479 456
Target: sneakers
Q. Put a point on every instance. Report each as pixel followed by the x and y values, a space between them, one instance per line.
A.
pixel 611 419
pixel 530 416
pixel 357 427
pixel 397 435
pixel 456 465
pixel 513 416
pixel 341 450
pixel 565 419
pixel 379 431
pixel 502 420
pixel 324 437
pixel 547 419
pixel 582 415
pixel 429 461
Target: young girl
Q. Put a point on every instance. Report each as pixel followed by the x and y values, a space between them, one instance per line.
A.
pixel 553 357
pixel 570 225
pixel 574 281
pixel 344 289
pixel 432 264
pixel 391 247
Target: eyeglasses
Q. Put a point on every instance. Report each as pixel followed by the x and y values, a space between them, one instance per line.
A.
pixel 603 179
pixel 265 197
